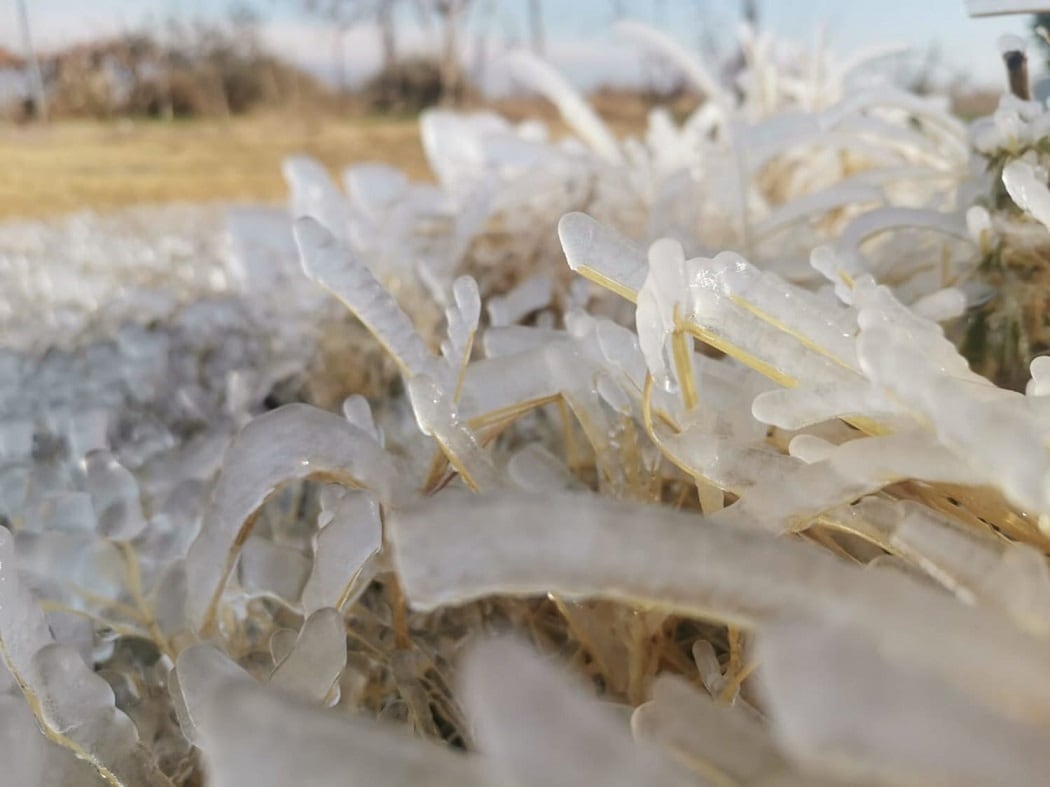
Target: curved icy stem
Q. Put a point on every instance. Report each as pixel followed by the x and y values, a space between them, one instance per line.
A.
pixel 459 548
pixel 292 442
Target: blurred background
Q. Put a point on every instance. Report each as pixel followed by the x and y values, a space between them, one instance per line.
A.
pixel 113 102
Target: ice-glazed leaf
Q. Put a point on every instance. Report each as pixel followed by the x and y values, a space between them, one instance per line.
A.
pixel 839 704
pixel 114 496
pixel 991 429
pixel 1040 382
pixel 22 747
pixel 538 470
pixel 579 116
pixel 602 255
pixel 796 408
pixel 274 570
pixel 1029 192
pixel 437 416
pixel 977 566
pixel 200 671
pixel 537 727
pixel 337 269
pixel 941 305
pixel 462 317
pixel 74 706
pixel 780 330
pixel 75 558
pixel 358 412
pixel 850 471
pixel 532 294
pixel 812 205
pixel 882 220
pixel 318 747
pixel 455 145
pixel 342 551
pixel 281 643
pixel 375 188
pixel 69 512
pixel 316 659
pixel 294 441
pixel 314 194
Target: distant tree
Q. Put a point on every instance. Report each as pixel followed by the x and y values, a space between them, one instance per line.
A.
pixel 449 15
pixel 36 79
pixel 452 16
pixel 345 14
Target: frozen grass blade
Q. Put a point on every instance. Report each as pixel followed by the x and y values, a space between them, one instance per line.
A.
pixel 574 110
pixel 334 266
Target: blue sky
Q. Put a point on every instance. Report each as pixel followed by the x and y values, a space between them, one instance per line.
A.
pixel 582 42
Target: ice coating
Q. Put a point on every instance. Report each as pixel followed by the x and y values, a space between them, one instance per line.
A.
pixel 915 487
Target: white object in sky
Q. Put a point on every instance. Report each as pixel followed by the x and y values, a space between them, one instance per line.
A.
pixel 1001 7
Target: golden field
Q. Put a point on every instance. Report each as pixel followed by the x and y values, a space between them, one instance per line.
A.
pixel 70 166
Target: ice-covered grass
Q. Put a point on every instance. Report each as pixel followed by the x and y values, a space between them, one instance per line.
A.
pixel 689 485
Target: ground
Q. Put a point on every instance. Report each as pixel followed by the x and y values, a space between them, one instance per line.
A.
pixel 74 166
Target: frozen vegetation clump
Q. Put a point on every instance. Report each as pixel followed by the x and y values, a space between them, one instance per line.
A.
pixel 717 502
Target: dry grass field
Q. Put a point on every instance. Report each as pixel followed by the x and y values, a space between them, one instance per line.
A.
pixel 90 165
pixel 99 166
